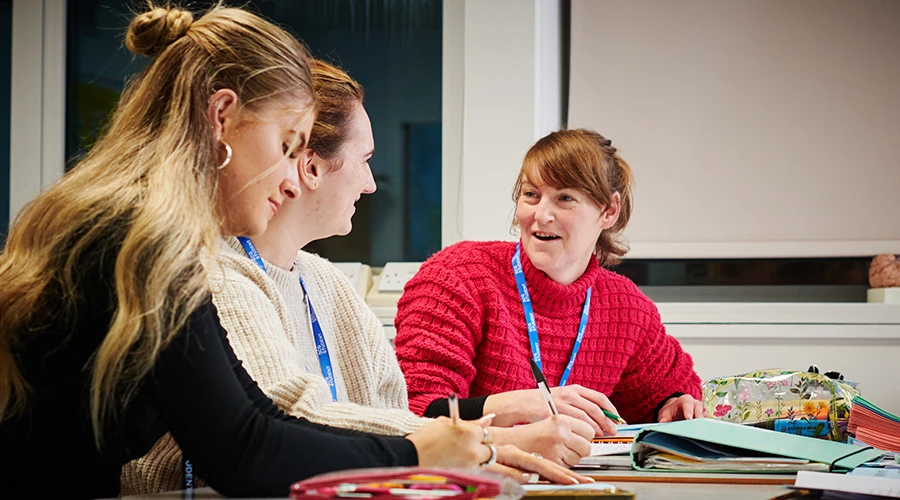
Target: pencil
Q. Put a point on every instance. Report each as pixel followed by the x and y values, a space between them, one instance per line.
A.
pixel 615 418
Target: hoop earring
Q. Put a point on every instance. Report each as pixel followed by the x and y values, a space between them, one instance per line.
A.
pixel 227 156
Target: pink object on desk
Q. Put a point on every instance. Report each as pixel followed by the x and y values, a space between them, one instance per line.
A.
pixel 411 483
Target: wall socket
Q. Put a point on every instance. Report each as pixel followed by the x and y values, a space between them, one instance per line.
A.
pixel 396 274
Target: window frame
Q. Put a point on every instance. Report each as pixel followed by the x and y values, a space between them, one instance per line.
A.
pixel 38 70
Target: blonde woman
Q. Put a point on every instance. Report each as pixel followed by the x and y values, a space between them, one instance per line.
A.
pixel 108 337
pixel 266 307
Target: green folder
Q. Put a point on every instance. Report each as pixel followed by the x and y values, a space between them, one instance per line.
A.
pixel 726 447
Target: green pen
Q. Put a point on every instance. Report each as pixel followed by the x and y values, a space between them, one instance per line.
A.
pixel 615 418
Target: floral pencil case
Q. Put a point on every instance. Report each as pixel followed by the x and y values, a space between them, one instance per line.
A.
pixel 796 402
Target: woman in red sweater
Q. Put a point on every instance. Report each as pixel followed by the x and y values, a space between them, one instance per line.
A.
pixel 461 323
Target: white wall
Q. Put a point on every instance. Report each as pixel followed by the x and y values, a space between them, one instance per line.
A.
pixel 501 84
pixel 755 129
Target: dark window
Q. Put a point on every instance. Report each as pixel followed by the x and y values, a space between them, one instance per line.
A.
pixel 392 48
pixel 750 280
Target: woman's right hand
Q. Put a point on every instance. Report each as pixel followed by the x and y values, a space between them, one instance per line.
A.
pixel 561 439
pixel 443 444
pixel 527 406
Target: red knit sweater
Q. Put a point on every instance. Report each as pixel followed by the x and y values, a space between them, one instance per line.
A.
pixel 461 329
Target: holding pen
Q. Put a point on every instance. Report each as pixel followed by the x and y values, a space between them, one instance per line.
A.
pixel 545 391
pixel 542 385
pixel 453 402
pixel 615 418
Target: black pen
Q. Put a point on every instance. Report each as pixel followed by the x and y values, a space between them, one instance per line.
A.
pixel 453 404
pixel 542 385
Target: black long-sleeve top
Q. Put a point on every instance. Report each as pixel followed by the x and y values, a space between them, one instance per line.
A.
pixel 236 438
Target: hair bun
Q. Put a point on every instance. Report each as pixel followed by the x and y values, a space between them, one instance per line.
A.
pixel 151 32
pixel 606 143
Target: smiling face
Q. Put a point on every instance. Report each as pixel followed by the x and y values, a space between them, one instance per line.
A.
pixel 573 197
pixel 346 177
pixel 263 172
pixel 559 229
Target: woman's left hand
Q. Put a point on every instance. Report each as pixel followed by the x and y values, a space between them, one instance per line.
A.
pixel 684 407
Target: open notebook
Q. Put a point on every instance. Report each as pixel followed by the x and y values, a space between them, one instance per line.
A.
pixel 613 451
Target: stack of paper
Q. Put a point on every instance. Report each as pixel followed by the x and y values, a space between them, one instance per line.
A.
pixel 607 455
pixel 848 486
pixel 874 426
pixel 886 472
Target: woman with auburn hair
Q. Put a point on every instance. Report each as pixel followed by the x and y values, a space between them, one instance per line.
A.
pixel 108 336
pixel 340 371
pixel 477 312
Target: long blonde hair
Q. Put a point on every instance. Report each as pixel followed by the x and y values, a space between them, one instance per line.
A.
pixel 144 195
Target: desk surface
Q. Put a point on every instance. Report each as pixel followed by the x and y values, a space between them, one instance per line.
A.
pixel 643 490
pixel 695 486
pixel 682 491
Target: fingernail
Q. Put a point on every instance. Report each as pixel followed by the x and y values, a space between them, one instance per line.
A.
pixel 590 479
pixel 490 415
pixel 574 481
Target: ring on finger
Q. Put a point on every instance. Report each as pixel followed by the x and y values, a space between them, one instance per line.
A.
pixel 537 455
pixel 491 461
pixel 487 436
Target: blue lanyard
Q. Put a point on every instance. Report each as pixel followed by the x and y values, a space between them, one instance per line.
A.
pixel 188 478
pixel 532 324
pixel 318 334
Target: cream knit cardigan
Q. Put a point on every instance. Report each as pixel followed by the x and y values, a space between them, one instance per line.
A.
pixel 268 326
